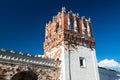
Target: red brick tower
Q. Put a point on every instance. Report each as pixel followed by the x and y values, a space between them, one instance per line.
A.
pixel 67 28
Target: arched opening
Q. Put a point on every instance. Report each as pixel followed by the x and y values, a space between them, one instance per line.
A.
pixel 25 75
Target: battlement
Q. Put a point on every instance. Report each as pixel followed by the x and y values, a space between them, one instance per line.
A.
pixel 8 56
pixel 67 28
pixel 12 62
pixel 69 21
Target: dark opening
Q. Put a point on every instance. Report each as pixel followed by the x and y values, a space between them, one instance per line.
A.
pixel 57 59
pixel 71 25
pixel 25 75
pixel 81 62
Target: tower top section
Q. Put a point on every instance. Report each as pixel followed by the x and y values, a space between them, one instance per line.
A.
pixel 72 22
pixel 63 9
pixel 69 28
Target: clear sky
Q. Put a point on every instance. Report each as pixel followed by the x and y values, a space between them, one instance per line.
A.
pixel 22 24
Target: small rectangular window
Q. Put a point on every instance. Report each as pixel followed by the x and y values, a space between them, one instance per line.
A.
pixel 82 62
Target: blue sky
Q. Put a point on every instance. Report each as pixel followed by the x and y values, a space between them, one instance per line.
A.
pixel 22 24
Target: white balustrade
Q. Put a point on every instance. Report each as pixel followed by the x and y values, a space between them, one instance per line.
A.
pixel 12 51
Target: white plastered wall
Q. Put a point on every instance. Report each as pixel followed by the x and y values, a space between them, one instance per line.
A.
pixel 71 69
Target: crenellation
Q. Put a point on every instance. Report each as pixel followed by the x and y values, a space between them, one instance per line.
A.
pixel 75 24
pixel 77 14
pixel 12 51
pixel 7 55
pixel 21 53
pixel 63 9
pixel 2 50
pixel 68 28
pixel 7 70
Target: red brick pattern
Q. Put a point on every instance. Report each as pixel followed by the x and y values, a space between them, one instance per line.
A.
pixel 43 72
pixel 59 30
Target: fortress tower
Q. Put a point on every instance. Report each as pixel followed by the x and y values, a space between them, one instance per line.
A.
pixel 69 38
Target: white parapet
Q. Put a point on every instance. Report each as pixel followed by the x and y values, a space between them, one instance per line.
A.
pixel 12 51
pixel 12 58
pixel 16 59
pixel 20 59
pixel 27 60
pixel 21 53
pixel 24 60
pixel 3 50
pixel 28 54
pixel 8 58
pixel 4 57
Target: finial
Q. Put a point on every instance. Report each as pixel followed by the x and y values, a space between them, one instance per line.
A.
pixel 70 11
pixel 46 24
pixel 83 17
pixel 3 50
pixel 89 19
pixel 58 13
pixel 63 9
pixel 77 14
pixel 73 14
pixel 49 22
pixel 12 51
pixel 21 53
pixel 53 18
pixel 28 54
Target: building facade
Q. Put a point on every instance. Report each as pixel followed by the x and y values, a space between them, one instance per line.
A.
pixel 69 52
pixel 69 38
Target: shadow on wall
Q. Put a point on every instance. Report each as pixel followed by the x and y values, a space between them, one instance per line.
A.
pixel 25 75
